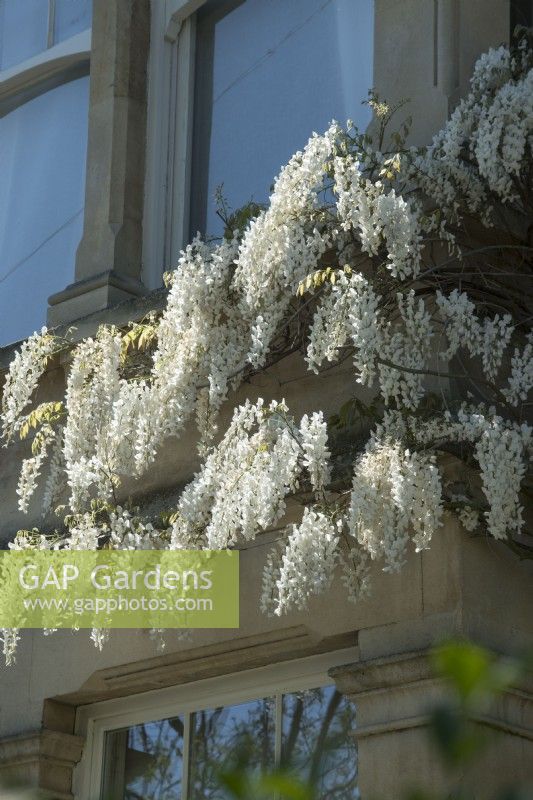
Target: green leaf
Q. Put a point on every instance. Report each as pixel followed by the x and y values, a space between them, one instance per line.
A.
pixel 236 782
pixel 45 413
pixel 475 673
pixel 284 786
pixel 466 666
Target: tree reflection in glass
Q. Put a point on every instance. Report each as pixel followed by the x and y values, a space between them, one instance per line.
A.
pixel 145 762
pixel 222 737
pixel 316 742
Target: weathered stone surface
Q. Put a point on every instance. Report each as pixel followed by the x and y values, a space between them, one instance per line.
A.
pixel 41 760
pixel 394 696
pixel 108 262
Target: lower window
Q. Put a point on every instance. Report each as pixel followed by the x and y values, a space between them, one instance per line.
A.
pixel 308 733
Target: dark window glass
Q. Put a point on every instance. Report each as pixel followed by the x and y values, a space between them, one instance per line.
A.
pixel 521 13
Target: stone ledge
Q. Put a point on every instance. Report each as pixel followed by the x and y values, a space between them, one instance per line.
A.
pixel 394 696
pixel 41 760
pixel 207 661
pixel 382 673
pixel 97 293
pixel 396 692
pixel 130 309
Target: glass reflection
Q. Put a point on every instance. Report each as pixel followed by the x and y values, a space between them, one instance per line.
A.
pixel 41 203
pixel 316 742
pixel 145 762
pixel 71 17
pixel 222 736
pixel 23 30
pixel 261 90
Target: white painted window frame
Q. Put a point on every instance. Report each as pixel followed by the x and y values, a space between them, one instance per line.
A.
pixel 94 721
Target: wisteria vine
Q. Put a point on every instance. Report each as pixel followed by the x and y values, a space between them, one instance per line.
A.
pixel 415 264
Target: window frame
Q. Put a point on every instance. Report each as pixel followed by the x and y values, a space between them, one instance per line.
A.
pixel 94 721
pixel 55 66
pixel 171 91
pixel 168 135
pixel 51 67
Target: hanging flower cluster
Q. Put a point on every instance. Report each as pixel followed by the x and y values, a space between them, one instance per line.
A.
pixel 360 254
pixel 482 155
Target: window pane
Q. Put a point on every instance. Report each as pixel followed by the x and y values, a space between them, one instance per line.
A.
pixel 71 16
pixel 43 147
pixel 221 735
pixel 145 762
pixel 268 74
pixel 316 742
pixel 23 30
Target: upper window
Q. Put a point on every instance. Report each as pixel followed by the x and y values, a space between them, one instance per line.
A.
pixel 44 96
pixel 267 74
pixel 28 27
pixel 180 758
pixel 236 88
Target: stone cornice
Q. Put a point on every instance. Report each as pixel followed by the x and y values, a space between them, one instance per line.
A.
pixel 43 759
pixel 205 662
pixel 411 688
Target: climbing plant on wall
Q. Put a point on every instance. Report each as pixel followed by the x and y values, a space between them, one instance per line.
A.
pixel 414 265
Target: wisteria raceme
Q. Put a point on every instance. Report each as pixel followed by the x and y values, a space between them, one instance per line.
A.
pixel 500 454
pixel 395 496
pixel 442 170
pixel 242 485
pixel 339 266
pixel 469 518
pixel 381 218
pixel 84 534
pixel 521 379
pixel 9 637
pixel 23 378
pixel 92 387
pixel 503 136
pixel 31 467
pixel 283 244
pixel 352 315
pixel 314 441
pixel 487 339
pixel 306 567
pixel 99 637
pixel 355 572
pixel 501 448
pixel 329 330
pixel 277 252
pixel 201 336
pixel 404 353
pixel 486 142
